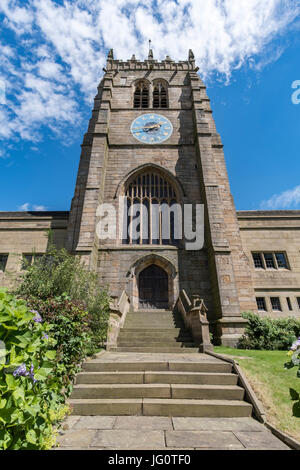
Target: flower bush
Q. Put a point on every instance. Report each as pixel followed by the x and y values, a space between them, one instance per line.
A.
pixel 31 398
pixel 267 333
pixel 58 274
pixel 294 354
pixel 55 317
pixel 71 329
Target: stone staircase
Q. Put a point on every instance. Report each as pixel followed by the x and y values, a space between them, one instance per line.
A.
pixel 154 331
pixel 136 384
pixel 143 376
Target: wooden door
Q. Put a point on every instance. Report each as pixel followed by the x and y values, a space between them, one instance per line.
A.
pixel 153 288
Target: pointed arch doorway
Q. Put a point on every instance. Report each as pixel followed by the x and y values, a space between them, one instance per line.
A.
pixel 153 288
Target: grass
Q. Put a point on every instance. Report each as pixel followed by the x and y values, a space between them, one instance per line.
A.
pixel 271 383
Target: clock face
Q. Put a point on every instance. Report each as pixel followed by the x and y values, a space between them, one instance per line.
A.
pixel 151 128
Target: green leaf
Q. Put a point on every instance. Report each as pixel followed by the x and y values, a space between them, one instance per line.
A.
pixel 31 436
pixel 5 439
pixel 11 381
pixel 19 393
pixel 42 374
pixel 9 327
pixel 51 354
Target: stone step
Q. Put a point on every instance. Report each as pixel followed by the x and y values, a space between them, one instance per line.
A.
pixel 110 378
pixel 146 331
pixel 159 349
pixel 153 324
pixel 122 391
pixel 150 311
pixel 141 390
pixel 161 407
pixel 163 377
pixel 154 344
pixel 154 339
pixel 97 365
pixel 196 378
pixel 150 333
pixel 153 310
pixel 207 392
pixel 197 408
pixel 155 317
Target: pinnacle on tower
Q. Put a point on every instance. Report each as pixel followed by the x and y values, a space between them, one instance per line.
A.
pixel 191 55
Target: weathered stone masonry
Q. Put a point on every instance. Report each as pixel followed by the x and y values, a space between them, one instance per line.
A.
pixel 223 273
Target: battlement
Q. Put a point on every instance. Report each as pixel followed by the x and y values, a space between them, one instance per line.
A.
pixel 150 64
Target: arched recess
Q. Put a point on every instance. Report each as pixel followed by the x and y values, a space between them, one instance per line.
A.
pixel 141 94
pixel 160 94
pixel 153 215
pixel 121 188
pixel 140 265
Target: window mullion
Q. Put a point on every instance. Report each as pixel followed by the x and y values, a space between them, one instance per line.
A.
pixel 275 261
pixel 150 220
pixel 141 221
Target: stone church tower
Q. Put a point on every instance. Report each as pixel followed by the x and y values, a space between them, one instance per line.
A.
pixel 153 139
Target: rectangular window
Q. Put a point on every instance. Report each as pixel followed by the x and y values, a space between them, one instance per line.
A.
pixel 269 260
pixel 26 260
pixel 258 261
pixel 288 300
pixel 29 259
pixel 37 257
pixel 261 304
pixel 276 305
pixel 298 300
pixel 281 260
pixel 3 262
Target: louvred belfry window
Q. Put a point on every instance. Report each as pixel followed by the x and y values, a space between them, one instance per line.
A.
pixel 153 211
pixel 141 95
pixel 160 98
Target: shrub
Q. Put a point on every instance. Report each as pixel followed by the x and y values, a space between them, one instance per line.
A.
pixel 268 333
pixel 71 329
pixel 31 398
pixel 294 354
pixel 58 274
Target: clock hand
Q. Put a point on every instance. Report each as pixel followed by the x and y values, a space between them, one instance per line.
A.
pixel 146 128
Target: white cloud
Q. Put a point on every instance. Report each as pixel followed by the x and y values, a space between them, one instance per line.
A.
pixel 3 154
pixel 61 47
pixel 28 207
pixel 17 18
pixel 289 199
pixel 24 207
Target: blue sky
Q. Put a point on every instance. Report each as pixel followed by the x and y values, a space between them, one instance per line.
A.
pixel 51 58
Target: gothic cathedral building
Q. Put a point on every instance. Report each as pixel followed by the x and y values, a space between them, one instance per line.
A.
pixel 152 141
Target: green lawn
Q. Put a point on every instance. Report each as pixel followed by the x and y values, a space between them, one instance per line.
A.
pixel 271 383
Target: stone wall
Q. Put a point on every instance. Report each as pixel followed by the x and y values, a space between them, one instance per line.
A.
pixel 275 231
pixel 27 233
pixel 22 232
pixel 222 273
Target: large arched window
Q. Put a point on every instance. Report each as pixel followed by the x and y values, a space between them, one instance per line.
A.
pixel 160 94
pixel 141 95
pixel 153 211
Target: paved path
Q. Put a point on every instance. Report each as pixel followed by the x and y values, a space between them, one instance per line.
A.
pixel 147 432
